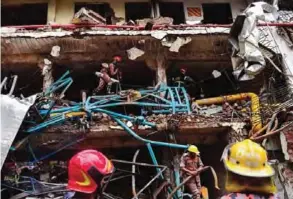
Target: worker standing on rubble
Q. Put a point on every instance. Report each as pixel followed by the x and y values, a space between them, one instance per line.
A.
pixel 182 79
pixel 190 163
pixel 108 74
pixel 86 172
pixel 249 175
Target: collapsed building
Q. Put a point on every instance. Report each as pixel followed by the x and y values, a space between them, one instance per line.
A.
pixel 237 90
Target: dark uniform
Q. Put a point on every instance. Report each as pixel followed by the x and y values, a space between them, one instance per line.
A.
pixel 194 184
pixel 248 196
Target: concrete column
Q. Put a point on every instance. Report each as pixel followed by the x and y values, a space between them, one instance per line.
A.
pixel 51 16
pixel 118 7
pixel 64 11
pixel 46 66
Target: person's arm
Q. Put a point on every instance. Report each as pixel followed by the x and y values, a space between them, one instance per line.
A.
pixel 120 75
pixel 188 171
pixel 183 166
pixel 200 164
pixel 113 71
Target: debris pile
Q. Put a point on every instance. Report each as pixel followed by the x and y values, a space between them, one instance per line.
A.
pixel 84 16
pixel 156 21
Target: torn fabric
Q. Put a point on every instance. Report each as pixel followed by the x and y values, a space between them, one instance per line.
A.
pixel 13 112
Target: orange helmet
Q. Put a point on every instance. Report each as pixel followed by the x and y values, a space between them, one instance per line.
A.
pixel 86 170
pixel 117 58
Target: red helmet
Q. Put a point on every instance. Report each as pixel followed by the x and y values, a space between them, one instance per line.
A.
pixel 117 58
pixel 86 170
pixel 182 70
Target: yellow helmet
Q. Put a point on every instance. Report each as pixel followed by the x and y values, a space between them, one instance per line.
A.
pixel 247 158
pixel 193 149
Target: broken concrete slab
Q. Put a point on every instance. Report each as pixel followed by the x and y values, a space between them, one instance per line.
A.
pixel 55 52
pixel 88 16
pixel 133 53
pixel 159 34
pixel 178 43
pixel 155 21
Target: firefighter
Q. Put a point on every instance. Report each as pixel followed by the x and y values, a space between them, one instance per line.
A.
pixel 86 172
pixel 249 175
pixel 190 163
pixel 109 74
pixel 182 79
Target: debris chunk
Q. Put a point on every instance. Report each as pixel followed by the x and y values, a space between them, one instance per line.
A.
pixel 88 16
pixel 159 34
pixel 155 21
pixel 55 52
pixel 180 41
pixel 134 53
pixel 216 73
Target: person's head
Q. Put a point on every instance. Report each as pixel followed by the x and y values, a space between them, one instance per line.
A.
pixel 86 171
pixel 183 71
pixel 247 168
pixel 117 59
pixel 193 151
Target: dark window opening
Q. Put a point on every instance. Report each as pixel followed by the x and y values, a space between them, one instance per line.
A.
pixel 134 11
pixel 174 10
pixel 24 14
pixel 217 13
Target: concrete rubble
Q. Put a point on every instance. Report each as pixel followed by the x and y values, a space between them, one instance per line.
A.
pixel 88 16
pixel 134 53
pixel 155 21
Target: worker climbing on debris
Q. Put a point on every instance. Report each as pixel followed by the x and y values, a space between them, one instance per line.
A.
pixel 190 163
pixel 249 175
pixel 182 79
pixel 109 74
pixel 86 173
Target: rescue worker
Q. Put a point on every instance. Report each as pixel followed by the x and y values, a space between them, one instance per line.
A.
pixel 182 79
pixel 249 176
pixel 86 172
pixel 190 163
pixel 107 74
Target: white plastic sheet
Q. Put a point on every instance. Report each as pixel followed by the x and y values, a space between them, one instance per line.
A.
pixel 13 112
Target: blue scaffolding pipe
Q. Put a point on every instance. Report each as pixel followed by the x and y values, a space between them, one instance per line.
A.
pixel 177 182
pixel 55 120
pixel 62 81
pixel 61 110
pixel 154 159
pixel 157 143
pixel 140 104
pixel 186 100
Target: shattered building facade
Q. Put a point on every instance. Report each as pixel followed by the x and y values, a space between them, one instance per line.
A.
pixel 239 67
